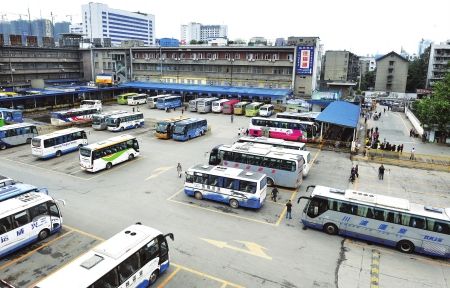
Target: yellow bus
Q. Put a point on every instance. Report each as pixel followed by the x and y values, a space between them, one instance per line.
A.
pixel 164 128
pixel 239 108
pixel 123 98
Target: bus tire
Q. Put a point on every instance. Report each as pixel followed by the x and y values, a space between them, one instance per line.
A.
pixel 58 153
pixel 198 195
pixel 234 203
pixel 270 182
pixel 2 146
pixel 43 234
pixel 131 156
pixel 108 165
pixel 405 246
pixel 330 229
pixel 153 277
pixel 28 141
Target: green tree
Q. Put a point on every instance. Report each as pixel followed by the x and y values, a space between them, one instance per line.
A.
pixel 417 72
pixel 193 42
pixel 368 81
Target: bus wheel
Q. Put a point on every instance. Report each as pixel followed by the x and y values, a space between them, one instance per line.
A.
pixel 405 246
pixel 43 234
pixel 270 182
pixel 2 146
pixel 136 126
pixel 58 153
pixel 153 277
pixel 131 156
pixel 108 165
pixel 234 203
pixel 330 229
pixel 28 140
pixel 198 195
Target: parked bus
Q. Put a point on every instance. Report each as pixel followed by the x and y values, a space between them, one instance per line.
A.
pixel 217 106
pixel 205 104
pixel 27 214
pixel 17 134
pixel 152 100
pixel 137 99
pixel 10 116
pixel 252 109
pixel 274 142
pixel 189 128
pixel 106 153
pixel 72 116
pixel 99 120
pixel 121 122
pixel 381 219
pixel 286 129
pixel 281 169
pixel 123 98
pixel 169 102
pixel 228 107
pixel 193 104
pixel 58 143
pixel 235 187
pixel 266 110
pixel 164 128
pixel 132 258
pixel 239 108
pixel 6 181
pixel 97 104
pixel 301 116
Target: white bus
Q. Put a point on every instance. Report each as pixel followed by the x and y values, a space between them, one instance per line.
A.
pixel 137 99
pixel 217 106
pixel 105 154
pixel 301 116
pixel 266 110
pixel 120 122
pixel 132 258
pixel 97 104
pixel 377 218
pixel 235 187
pixel 73 116
pixel 99 120
pixel 58 143
pixel 17 134
pixel 152 100
pixel 204 104
pixel 193 104
pixel 27 214
pixel 274 142
pixel 281 169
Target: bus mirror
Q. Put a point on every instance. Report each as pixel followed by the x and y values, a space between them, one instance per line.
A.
pixel 61 201
pixel 310 186
pixel 170 235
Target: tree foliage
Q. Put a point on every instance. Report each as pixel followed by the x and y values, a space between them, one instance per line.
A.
pixel 368 81
pixel 417 72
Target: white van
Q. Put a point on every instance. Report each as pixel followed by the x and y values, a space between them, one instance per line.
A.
pixel 266 110
pixel 97 104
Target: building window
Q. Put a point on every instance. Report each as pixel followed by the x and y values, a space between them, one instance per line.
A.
pixel 391 63
pixel 237 56
pixel 227 55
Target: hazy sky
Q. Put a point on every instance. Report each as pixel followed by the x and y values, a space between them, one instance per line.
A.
pixel 360 26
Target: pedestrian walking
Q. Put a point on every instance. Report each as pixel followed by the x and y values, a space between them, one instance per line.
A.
pixel 288 209
pixel 133 109
pixel 401 149
pixel 381 172
pixel 274 194
pixel 231 118
pixel 179 169
pixel 384 110
pixel 356 171
pixel 137 108
pixel 413 152
pixel 182 111
pixel 246 132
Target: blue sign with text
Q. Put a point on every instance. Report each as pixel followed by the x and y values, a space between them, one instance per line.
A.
pixel 305 60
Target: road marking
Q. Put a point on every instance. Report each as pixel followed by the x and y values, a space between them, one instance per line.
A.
pixel 158 171
pixel 252 248
pixel 34 250
pixel 178 192
pixel 167 280
pixel 84 233
pixel 375 269
pixel 285 209
pixel 201 274
pixel 123 164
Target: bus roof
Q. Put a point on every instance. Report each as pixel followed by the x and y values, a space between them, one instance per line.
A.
pixel 59 133
pixel 227 171
pixel 109 113
pixel 189 120
pixel 18 125
pixel 271 141
pixel 108 142
pixel 115 116
pixel 95 263
pixel 141 94
pixel 15 204
pixel 221 101
pixel 393 203
pixel 173 120
pixel 311 115
pixel 171 97
pixel 209 99
pixel 261 149
pixel 74 110
pixel 242 103
pixel 253 104
pixel 14 190
pixel 266 106
pixel 91 101
pixel 232 101
pixel 283 120
pixel 127 94
pixel 158 96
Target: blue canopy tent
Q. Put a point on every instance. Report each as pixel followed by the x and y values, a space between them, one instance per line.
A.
pixel 340 113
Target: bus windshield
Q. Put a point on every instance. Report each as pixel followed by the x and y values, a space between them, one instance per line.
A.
pixel 162 127
pixel 36 142
pixel 113 122
pixel 97 119
pixel 179 129
pixel 85 152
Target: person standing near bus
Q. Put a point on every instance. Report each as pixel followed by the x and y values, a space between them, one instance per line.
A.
pixel 288 209
pixel 274 194
pixel 381 172
pixel 231 118
pixel 179 169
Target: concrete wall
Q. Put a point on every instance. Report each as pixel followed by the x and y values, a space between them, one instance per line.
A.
pixel 414 121
pixel 336 64
pixel 391 77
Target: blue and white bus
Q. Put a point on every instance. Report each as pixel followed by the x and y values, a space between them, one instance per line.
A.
pixel 27 214
pixel 133 258
pixel 121 122
pixel 381 219
pixel 281 169
pixel 189 128
pixel 17 134
pixel 9 116
pixel 235 187
pixel 73 116
pixel 99 120
pixel 169 102
pixel 58 143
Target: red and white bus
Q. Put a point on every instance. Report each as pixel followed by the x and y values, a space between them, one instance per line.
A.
pixel 228 107
pixel 285 129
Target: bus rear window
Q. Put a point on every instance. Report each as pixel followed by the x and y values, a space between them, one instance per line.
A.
pixel 36 142
pixel 85 152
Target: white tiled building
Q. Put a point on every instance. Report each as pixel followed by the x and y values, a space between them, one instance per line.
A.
pixel 199 32
pixel 439 61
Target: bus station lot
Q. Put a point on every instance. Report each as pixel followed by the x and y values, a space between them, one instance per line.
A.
pixel 215 245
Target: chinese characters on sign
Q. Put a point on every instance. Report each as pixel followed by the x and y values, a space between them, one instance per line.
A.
pixel 305 60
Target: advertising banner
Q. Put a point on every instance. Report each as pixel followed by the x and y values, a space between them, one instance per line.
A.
pixel 305 60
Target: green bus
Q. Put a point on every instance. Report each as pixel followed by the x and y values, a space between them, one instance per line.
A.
pixel 252 109
pixel 123 98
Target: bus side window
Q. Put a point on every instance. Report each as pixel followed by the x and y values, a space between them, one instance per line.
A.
pixel 108 280
pixel 5 225
pixel 228 183
pixel 417 222
pixel 34 130
pixel 53 209
pixel 21 219
pixel 213 180
pixel 189 178
pixel 149 252
pixel 128 267
pixel 37 211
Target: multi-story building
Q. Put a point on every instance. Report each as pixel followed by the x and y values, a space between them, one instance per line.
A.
pixel 198 32
pixel 367 64
pixel 39 28
pixel 438 65
pixel 60 28
pixel 423 45
pixel 280 42
pixel 341 66
pixel 392 72
pixel 76 28
pixel 100 22
pixel 257 41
